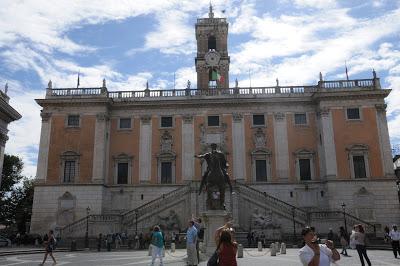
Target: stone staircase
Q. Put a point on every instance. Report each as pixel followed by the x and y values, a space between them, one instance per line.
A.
pixel 114 223
pixel 276 205
pixel 141 218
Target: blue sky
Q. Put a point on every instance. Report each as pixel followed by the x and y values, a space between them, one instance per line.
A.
pixel 130 42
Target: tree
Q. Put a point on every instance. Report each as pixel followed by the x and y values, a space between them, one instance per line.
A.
pixel 16 195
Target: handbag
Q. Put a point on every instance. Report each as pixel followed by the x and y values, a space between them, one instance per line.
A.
pixel 213 260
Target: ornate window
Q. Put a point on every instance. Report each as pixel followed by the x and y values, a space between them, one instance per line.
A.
pixel 166 160
pixel 261 165
pixel 260 158
pixel 123 169
pixel 358 160
pixel 69 170
pixel 304 164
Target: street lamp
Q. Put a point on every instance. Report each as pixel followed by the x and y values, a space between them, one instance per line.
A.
pixel 87 228
pixel 344 217
pixel 294 225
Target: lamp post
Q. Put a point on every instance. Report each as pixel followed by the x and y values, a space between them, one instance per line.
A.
pixel 87 228
pixel 294 225
pixel 344 217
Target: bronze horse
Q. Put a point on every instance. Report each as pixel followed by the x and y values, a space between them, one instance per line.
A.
pixel 215 178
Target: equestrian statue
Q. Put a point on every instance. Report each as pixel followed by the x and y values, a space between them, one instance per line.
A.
pixel 214 178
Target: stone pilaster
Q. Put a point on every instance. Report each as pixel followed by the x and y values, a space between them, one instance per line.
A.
pixel 281 146
pixel 188 148
pixel 384 140
pixel 145 149
pixel 3 140
pixel 238 147
pixel 100 148
pixel 42 164
pixel 328 151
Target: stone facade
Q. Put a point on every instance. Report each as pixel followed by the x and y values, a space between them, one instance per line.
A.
pixel 7 115
pixel 296 152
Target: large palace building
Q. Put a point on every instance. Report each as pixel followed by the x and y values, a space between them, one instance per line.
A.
pixel 124 160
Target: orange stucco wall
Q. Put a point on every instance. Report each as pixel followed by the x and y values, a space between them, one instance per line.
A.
pixel 79 140
pixel 124 141
pixel 356 132
pixel 198 120
pixel 227 119
pixel 248 144
pixel 177 148
pixel 302 137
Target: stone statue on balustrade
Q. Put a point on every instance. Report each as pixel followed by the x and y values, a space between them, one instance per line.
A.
pixel 170 221
pixel 215 178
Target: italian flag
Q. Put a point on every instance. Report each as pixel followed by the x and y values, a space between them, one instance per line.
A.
pixel 217 76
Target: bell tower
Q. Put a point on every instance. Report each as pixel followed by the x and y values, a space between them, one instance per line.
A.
pixel 212 60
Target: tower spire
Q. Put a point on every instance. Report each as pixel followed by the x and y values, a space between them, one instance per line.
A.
pixel 211 13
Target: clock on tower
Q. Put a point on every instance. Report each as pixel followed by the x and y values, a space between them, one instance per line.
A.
pixel 212 60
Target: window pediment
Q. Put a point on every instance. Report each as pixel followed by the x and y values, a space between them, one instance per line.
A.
pixel 357 147
pixel 304 152
pixel 70 155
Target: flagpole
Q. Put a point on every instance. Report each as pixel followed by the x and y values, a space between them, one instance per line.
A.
pixel 250 77
pixel 174 80
pixel 347 74
pixel 77 83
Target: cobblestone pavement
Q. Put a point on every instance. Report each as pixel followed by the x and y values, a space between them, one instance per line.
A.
pixel 252 258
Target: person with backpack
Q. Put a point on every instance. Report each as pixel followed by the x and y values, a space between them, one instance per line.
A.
pixel 50 245
pixel 157 243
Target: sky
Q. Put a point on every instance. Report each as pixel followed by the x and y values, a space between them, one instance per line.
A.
pixel 129 42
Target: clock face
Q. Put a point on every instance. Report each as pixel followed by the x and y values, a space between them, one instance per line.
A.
pixel 212 58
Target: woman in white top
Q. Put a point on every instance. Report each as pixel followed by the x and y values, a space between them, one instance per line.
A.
pixel 314 254
pixel 359 237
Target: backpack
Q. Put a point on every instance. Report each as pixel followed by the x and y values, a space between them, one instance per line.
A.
pixel 200 233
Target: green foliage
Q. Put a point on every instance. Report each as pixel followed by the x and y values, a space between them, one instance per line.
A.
pixel 16 195
pixel 12 169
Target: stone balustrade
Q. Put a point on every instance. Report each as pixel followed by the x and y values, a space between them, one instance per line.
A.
pixel 360 84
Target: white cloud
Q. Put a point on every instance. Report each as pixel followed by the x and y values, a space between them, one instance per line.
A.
pixel 316 3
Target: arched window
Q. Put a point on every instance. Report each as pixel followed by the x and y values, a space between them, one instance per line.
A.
pixel 212 43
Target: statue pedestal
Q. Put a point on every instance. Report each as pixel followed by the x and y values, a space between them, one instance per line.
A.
pixel 213 219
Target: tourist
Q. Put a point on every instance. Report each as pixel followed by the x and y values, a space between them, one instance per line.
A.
pixel 359 239
pixel 99 240
pixel 386 236
pixel 343 240
pixel 191 239
pixel 50 244
pixel 200 235
pixel 157 245
pixel 248 239
pixel 228 225
pixel 227 249
pixel 314 254
pixel 330 234
pixel 395 238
